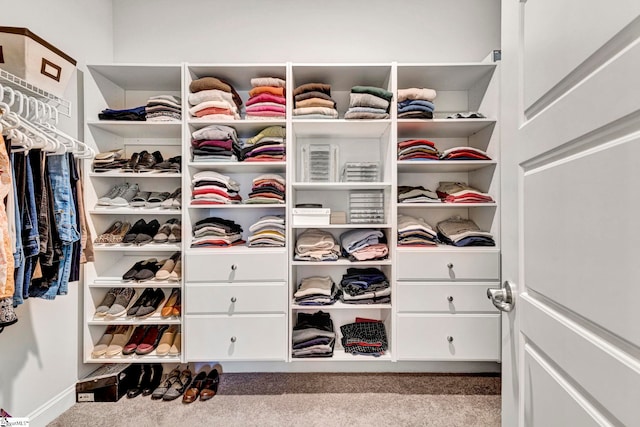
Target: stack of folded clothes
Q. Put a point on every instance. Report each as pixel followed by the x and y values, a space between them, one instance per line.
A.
pixel 136 114
pixel 457 231
pixel 417 149
pixel 368 102
pixel 164 108
pixel 316 245
pixel 313 101
pixel 460 192
pixel 214 99
pixel 316 290
pixel 416 103
pixel 365 286
pixel 365 337
pixel 418 194
pixel 313 335
pixel 266 146
pixel 268 231
pixel 216 232
pixel 213 188
pixel 364 244
pixel 266 99
pixel 415 232
pixel 464 153
pixel 267 189
pixel 215 143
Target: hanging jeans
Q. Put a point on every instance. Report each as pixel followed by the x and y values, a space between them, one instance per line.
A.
pixel 30 234
pixel 65 221
pixel 18 255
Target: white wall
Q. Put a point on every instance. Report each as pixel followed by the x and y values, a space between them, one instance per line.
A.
pixel 305 30
pixel 41 353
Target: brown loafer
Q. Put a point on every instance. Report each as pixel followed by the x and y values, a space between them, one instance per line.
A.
pixel 191 395
pixel 210 386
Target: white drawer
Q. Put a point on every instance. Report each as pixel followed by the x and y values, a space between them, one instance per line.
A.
pixel 463 265
pixel 426 337
pixel 236 267
pixel 204 298
pixel 241 337
pixel 445 297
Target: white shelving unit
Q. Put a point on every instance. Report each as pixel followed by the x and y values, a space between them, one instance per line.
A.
pixel 126 86
pixel 441 290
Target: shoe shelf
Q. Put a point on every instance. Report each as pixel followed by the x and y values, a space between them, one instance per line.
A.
pixel 115 282
pixel 443 166
pixel 109 210
pixel 126 129
pixel 134 358
pixel 136 175
pixel 156 319
pixel 151 247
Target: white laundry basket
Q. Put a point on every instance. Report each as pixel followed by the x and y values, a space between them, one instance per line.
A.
pixel 32 58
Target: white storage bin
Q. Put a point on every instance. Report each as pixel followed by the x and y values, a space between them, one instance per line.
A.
pixel 33 59
pixel 311 216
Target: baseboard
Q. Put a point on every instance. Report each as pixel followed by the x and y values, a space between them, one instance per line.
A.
pixel 53 408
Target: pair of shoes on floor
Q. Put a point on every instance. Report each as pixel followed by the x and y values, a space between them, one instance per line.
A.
pixel 171 269
pixel 174 201
pixel 143 270
pixel 148 199
pixel 175 384
pixel 204 386
pixel 173 306
pixel 147 303
pixel 112 341
pixel 120 195
pixel 169 232
pixel 115 302
pixel 114 234
pixel 146 378
pixel 141 233
pixel 145 339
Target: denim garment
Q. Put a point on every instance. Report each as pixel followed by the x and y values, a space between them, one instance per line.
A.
pixel 63 204
pixel 38 168
pixel 30 234
pixel 60 283
pixel 74 276
pixel 18 255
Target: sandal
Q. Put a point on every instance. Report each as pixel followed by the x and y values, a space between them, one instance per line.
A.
pixel 164 232
pixel 168 202
pixel 175 235
pixel 140 199
pixel 166 384
pixel 106 236
pixel 179 386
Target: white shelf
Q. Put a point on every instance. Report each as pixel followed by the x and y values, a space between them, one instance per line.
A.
pixel 340 127
pixel 445 205
pixel 344 261
pixel 239 75
pixel 443 166
pixel 342 77
pixel 244 128
pixel 449 248
pixel 340 186
pixel 241 167
pixel 150 174
pixel 115 282
pixel 240 206
pixel 155 319
pixel 339 305
pixel 340 355
pixel 143 77
pixel 441 128
pixel 235 249
pixel 133 129
pixel 150 247
pixel 107 210
pixel 341 226
pixel 134 358
pixel 444 76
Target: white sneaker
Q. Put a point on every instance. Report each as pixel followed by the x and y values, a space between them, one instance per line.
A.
pixel 116 191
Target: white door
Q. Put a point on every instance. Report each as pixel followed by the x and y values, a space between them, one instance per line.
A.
pixel 571 209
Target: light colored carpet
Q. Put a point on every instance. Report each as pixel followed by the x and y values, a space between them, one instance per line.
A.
pixel 326 399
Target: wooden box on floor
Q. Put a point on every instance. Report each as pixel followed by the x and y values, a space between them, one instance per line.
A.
pixel 108 383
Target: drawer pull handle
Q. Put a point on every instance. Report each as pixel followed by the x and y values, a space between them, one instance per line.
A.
pixel 233 299
pixel 233 339
pixel 450 298
pixel 450 338
pixel 234 267
pixel 450 265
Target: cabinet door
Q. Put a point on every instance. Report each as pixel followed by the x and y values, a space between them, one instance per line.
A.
pixel 235 338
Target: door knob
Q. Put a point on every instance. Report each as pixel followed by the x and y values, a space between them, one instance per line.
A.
pixel 502 298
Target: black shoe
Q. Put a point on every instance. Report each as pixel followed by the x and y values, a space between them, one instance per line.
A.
pixel 137 228
pixel 137 267
pixel 147 232
pixel 143 378
pixel 142 299
pixel 152 305
pixel 154 379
